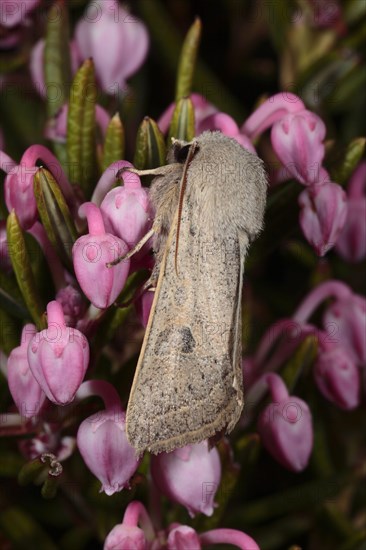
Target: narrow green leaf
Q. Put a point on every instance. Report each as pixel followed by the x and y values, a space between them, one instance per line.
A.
pixel 182 124
pixel 351 156
pixel 57 65
pixel 300 361
pixel 81 141
pixel 187 62
pixel 114 143
pixel 55 214
pixel 22 268
pixel 150 148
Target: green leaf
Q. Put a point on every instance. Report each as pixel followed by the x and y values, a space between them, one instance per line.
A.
pixel 182 124
pixel 300 361
pixel 23 531
pixel 22 268
pixel 81 128
pixel 114 143
pixel 55 214
pixel 57 64
pixel 350 157
pixel 187 62
pixel 150 148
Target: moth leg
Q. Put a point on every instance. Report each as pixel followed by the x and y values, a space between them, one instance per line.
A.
pixel 160 171
pixel 134 250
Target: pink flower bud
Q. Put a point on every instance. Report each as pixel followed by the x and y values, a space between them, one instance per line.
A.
pixel 298 142
pixel 124 536
pixel 127 211
pixel 116 40
pixel 183 538
pixel 285 427
pixel 24 388
pixel 337 377
pixel 91 254
pixel 189 476
pixel 227 125
pixel 58 357
pixel 323 215
pixel 346 320
pixel 15 12
pixel 103 444
pixel 18 183
pixel 351 244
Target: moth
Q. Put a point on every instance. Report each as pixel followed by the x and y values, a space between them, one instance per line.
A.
pixel 209 201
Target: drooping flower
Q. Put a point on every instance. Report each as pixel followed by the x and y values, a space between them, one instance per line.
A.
pixel 117 41
pixel 189 476
pixel 323 215
pixel 58 357
pixel 91 253
pixel 24 388
pixel 285 426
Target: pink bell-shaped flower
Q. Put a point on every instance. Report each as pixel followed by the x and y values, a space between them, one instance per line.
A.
pixel 182 537
pixel 323 215
pixel 103 444
pixel 285 427
pixel 102 439
pixel 127 211
pixel 351 244
pixel 337 376
pixel 117 41
pixel 189 476
pixel 24 388
pixel 297 139
pixel 58 357
pixel 127 535
pixel 91 253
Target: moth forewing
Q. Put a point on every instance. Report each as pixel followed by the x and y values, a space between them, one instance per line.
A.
pixel 188 381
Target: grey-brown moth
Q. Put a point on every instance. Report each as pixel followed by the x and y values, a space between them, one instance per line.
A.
pixel 209 201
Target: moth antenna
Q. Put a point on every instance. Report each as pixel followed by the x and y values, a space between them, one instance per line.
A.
pixel 189 158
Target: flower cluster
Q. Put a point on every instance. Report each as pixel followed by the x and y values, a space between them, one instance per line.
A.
pixel 73 213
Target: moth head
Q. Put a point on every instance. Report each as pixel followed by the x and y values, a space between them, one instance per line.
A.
pixel 179 150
